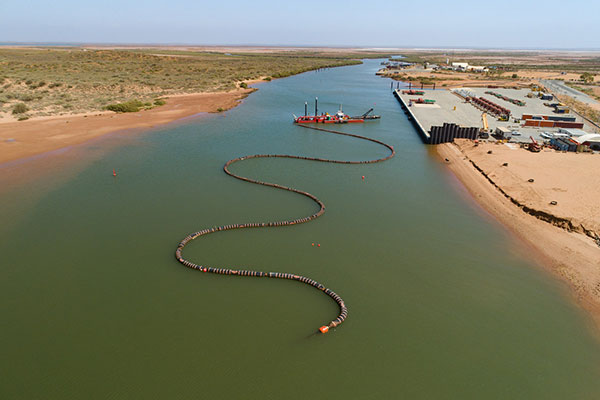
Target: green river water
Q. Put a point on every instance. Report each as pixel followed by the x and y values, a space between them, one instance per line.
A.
pixel 443 303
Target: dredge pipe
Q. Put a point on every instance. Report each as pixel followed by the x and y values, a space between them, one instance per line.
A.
pixel 280 275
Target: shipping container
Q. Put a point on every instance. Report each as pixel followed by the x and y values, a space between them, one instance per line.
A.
pixel 532 122
pixel 565 124
pixel 561 118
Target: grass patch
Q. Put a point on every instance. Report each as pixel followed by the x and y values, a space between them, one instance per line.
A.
pixel 129 106
pixel 20 108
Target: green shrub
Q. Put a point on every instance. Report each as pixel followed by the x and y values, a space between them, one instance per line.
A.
pixel 130 106
pixel 220 109
pixel 22 118
pixel 268 78
pixel 53 85
pixel 515 76
pixel 244 85
pixel 20 108
pixel 159 102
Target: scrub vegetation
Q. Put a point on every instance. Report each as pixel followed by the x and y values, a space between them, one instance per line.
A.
pixel 51 81
pixel 512 61
pixel 582 108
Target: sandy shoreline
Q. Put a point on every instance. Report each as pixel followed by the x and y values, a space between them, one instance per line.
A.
pixel 28 138
pixel 567 251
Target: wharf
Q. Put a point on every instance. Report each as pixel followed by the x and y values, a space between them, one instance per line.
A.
pixel 433 130
pixel 424 133
pixel 452 109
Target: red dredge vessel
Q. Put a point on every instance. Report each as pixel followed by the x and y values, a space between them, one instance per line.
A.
pixel 337 118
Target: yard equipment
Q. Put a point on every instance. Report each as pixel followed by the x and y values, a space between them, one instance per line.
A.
pixel 486 127
pixel 534 147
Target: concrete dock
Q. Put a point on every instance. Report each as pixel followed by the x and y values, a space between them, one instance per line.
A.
pixel 450 107
pixel 418 126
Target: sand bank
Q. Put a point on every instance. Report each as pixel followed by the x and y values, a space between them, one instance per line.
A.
pixel 36 136
pixel 562 235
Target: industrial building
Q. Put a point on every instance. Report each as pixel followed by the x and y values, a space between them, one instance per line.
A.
pixel 592 140
pixel 463 66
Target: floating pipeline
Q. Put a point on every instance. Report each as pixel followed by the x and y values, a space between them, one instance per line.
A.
pixel 279 275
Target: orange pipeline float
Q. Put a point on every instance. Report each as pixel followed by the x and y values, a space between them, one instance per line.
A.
pixel 279 275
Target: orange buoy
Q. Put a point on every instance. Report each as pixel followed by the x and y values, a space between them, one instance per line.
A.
pixel 114 172
pixel 313 244
pixel 324 329
pixel 319 245
pixel 363 177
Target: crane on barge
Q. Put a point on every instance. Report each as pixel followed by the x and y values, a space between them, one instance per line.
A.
pixel 337 118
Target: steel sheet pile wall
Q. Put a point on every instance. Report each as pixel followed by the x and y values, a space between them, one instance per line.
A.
pixel 449 132
pixel 503 97
pixel 489 106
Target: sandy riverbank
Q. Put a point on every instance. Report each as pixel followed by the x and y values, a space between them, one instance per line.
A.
pixel 36 136
pixel 561 234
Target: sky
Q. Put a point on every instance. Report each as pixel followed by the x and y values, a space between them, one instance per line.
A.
pixel 524 24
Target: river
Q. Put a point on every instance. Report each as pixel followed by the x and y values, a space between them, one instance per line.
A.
pixel 443 301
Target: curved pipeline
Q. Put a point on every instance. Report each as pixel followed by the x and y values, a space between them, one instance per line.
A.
pixel 279 275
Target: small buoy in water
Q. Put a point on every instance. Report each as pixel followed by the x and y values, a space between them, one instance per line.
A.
pixel 324 329
pixel 313 244
pixel 363 177
pixel 114 172
pixel 319 245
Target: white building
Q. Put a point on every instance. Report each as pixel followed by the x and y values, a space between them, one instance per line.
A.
pixel 477 68
pixel 460 66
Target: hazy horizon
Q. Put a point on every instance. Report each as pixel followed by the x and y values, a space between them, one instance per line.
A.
pixel 270 45
pixel 536 25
